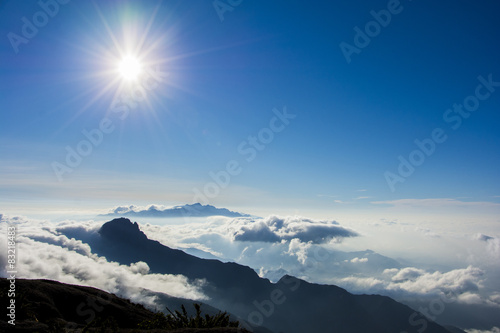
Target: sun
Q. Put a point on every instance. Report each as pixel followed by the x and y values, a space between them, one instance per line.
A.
pixel 130 68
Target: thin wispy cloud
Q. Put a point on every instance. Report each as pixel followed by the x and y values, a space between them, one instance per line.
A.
pixel 327 196
pixel 341 202
pixel 440 202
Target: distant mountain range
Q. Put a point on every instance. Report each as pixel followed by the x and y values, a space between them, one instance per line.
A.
pixel 193 210
pixel 291 305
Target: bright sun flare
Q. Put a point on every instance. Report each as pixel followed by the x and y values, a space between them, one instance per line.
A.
pixel 129 68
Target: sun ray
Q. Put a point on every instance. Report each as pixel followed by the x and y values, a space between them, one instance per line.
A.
pixel 109 30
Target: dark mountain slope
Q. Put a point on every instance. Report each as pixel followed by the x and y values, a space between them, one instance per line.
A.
pixel 44 304
pixel 50 306
pixel 341 311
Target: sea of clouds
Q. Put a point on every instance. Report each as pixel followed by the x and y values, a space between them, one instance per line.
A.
pixel 273 246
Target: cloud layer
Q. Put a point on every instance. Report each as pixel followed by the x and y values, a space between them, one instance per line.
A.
pixel 273 246
pixel 437 202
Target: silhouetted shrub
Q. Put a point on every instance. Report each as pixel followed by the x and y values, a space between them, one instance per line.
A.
pixel 179 319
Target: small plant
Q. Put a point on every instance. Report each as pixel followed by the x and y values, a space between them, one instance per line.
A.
pixel 178 319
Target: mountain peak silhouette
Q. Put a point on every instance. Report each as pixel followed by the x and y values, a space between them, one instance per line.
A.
pixel 122 228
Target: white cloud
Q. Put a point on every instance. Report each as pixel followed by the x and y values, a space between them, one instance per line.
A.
pixel 494 247
pixel 274 229
pixel 362 284
pixel 495 298
pixel 258 232
pixel 492 244
pixel 470 298
pixel 359 260
pixel 408 273
pixel 390 271
pixel 299 249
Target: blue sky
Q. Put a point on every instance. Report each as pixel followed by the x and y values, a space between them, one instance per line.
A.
pixel 221 80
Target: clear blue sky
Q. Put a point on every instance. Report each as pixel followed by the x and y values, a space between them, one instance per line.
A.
pixel 224 78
